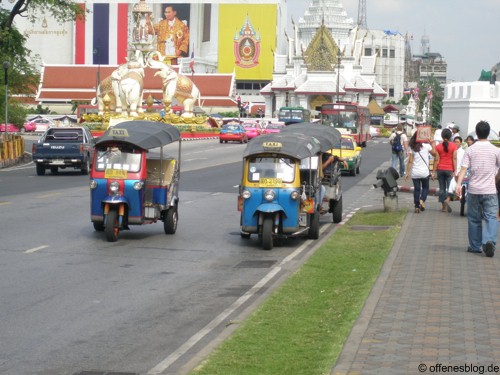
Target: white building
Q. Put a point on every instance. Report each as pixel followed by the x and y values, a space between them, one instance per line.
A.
pixel 467 103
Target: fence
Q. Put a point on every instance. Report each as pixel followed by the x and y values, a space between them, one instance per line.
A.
pixel 11 149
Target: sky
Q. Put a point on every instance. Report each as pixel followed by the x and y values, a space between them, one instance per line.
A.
pixel 465 32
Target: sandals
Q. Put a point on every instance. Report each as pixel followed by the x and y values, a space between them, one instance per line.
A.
pixel 422 205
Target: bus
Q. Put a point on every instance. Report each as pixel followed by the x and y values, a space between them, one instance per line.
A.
pixel 293 115
pixel 349 118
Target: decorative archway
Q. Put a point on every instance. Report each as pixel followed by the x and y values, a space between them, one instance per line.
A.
pixel 316 101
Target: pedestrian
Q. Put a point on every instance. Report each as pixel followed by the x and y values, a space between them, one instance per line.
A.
pixel 418 169
pixel 483 159
pixel 455 132
pixel 399 147
pixel 469 140
pixel 437 135
pixel 444 165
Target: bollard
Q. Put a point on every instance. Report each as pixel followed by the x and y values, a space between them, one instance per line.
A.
pixel 391 203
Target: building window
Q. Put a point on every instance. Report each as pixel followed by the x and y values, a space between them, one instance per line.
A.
pixel 391 93
pixel 207 16
pixel 368 51
pixel 384 52
pixel 392 53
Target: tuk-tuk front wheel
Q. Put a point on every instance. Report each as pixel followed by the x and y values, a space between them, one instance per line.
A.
pixel 314 226
pixel 267 233
pixel 112 226
pixel 170 221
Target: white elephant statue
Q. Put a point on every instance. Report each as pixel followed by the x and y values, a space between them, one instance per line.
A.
pixel 124 87
pixel 180 87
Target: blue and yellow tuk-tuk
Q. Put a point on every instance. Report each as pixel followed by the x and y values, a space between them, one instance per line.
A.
pixel 135 177
pixel 331 176
pixel 280 188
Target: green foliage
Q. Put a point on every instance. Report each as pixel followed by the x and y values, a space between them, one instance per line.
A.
pixel 39 110
pixel 229 114
pixel 302 326
pixel 16 112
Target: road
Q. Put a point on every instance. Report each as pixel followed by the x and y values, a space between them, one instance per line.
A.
pixel 72 302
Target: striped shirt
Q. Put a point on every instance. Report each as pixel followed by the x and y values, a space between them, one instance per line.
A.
pixel 483 159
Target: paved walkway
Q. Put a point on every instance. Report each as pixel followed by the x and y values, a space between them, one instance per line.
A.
pixel 433 306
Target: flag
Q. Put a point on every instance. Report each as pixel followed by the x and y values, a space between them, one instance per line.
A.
pixel 102 37
pixel 191 63
pixel 416 92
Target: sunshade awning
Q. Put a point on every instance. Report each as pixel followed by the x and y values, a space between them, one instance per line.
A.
pixel 293 145
pixel 327 136
pixel 141 133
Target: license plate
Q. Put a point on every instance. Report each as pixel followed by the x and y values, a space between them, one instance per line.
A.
pixel 58 162
pixel 115 173
pixel 270 182
pixel 302 220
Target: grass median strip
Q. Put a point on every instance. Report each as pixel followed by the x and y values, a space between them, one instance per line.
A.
pixel 302 326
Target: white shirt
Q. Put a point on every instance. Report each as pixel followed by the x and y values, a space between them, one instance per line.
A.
pixel 437 136
pixel 420 166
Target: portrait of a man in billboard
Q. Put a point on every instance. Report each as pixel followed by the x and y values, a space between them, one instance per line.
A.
pixel 173 31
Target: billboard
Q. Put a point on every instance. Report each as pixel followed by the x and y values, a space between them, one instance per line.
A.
pixel 247 40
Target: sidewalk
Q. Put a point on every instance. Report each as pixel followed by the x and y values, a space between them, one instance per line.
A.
pixel 434 305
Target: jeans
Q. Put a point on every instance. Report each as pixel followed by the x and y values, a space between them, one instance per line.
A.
pixel 479 207
pixel 398 156
pixel 444 178
pixel 420 190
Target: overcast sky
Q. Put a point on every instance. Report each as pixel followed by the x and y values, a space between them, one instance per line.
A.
pixel 465 32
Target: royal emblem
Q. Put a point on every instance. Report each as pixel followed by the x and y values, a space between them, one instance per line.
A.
pixel 247 46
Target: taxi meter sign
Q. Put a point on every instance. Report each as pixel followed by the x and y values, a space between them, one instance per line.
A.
pixel 272 145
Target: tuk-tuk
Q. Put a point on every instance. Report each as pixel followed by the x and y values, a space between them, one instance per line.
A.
pixel 280 188
pixel 135 177
pixel 331 178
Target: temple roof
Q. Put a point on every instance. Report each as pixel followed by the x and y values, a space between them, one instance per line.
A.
pixel 66 83
pixel 321 53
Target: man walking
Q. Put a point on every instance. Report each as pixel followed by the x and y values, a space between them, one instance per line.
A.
pixel 483 159
pixel 399 145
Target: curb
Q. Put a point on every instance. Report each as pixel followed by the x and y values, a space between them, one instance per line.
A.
pixel 409 189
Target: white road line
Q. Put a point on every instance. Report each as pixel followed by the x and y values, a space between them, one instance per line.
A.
pixel 48 195
pixel 29 251
pixel 163 365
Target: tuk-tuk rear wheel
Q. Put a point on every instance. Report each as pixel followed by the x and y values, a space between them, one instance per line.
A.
pixel 170 221
pixel 267 233
pixel 112 228
pixel 98 227
pixel 336 210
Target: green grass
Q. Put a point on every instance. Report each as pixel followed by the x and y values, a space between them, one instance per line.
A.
pixel 302 326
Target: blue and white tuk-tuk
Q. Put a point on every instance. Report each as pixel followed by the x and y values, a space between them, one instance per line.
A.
pixel 279 192
pixel 135 177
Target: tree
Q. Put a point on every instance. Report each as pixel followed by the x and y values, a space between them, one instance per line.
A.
pixel 23 74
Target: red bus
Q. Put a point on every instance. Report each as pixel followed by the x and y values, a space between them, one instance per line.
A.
pixel 349 118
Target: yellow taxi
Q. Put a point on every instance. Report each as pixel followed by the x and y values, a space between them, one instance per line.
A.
pixel 350 152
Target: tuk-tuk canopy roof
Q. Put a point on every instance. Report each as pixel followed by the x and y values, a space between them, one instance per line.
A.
pixel 293 145
pixel 327 136
pixel 141 133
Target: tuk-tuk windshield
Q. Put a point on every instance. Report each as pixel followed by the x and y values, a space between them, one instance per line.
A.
pixel 114 158
pixel 282 168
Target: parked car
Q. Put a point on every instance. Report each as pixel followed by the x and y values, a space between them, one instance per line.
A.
pixel 351 152
pixel 11 128
pixel 28 127
pixel 273 128
pixel 233 132
pixel 40 124
pixel 252 129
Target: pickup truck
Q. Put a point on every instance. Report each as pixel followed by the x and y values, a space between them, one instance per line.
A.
pixel 63 148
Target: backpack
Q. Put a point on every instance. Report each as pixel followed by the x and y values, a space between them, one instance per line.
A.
pixel 396 143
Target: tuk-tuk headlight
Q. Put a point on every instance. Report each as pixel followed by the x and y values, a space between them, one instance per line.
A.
pixel 269 195
pixel 138 185
pixel 114 187
pixel 246 194
pixel 93 184
pixel 295 195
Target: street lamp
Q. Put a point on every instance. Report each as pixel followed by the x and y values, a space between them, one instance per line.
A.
pixel 6 66
pixel 339 56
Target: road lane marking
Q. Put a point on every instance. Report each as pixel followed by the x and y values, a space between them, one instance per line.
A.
pixel 48 195
pixel 4 203
pixel 29 251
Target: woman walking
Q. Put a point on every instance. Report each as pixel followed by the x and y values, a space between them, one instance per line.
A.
pixel 418 169
pixel 445 166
